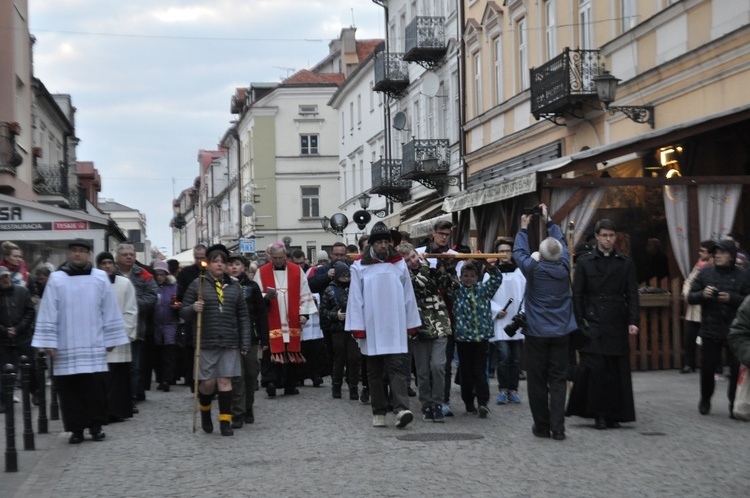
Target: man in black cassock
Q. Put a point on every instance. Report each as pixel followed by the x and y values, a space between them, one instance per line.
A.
pixel 605 296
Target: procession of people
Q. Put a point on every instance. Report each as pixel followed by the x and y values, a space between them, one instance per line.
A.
pixel 228 326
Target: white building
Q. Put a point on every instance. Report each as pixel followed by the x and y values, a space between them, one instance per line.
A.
pixel 418 73
pixel 133 224
pixel 289 151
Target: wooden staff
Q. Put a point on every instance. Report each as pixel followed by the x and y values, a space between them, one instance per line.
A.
pixel 476 255
pixel 197 360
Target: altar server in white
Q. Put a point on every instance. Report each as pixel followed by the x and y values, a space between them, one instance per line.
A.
pixel 79 320
pixel 381 312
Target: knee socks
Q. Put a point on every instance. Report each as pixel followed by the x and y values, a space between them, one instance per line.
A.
pixel 205 402
pixel 225 406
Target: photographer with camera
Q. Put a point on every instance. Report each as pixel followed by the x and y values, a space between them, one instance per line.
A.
pixel 549 321
pixel 719 289
pixel 507 311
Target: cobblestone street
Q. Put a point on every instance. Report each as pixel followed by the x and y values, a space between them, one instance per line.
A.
pixel 313 445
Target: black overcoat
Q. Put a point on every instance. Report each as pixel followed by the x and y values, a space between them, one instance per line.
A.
pixel 605 293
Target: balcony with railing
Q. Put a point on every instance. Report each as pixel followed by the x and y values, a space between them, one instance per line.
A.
pixel 391 73
pixel 51 183
pixel 387 181
pixel 564 83
pixel 425 41
pixel 427 161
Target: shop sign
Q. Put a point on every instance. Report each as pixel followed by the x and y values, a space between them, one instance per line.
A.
pixel 21 226
pixel 71 225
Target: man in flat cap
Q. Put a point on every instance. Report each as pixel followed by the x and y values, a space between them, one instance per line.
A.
pixel 79 320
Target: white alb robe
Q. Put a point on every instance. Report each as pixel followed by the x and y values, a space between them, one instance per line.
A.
pixel 79 317
pixel 514 285
pixel 382 303
pixel 126 300
pixel 311 329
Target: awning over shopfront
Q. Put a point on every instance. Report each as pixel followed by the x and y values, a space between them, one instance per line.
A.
pixel 424 228
pixel 43 231
pixel 521 183
pixel 185 258
pixel 525 180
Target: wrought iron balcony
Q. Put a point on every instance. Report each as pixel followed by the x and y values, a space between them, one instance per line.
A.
pixel 391 73
pixel 10 159
pixel 425 41
pixel 428 162
pixel 564 83
pixel 386 180
pixel 51 179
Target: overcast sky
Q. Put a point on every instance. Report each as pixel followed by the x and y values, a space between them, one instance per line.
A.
pixel 152 79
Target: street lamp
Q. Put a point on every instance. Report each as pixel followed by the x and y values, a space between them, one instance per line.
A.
pixel 606 88
pixel 364 203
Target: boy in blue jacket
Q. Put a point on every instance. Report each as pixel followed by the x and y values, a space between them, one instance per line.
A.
pixel 472 332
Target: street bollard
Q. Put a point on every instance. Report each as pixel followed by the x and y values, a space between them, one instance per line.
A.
pixel 41 368
pixel 54 407
pixel 9 381
pixel 28 432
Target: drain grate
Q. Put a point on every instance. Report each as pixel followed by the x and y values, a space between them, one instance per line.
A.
pixel 653 433
pixel 439 436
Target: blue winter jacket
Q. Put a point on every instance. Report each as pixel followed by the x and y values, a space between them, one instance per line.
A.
pixel 547 301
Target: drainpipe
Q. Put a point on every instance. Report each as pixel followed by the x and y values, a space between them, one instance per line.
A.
pixel 386 104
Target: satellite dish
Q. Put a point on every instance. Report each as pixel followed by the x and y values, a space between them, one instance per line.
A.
pixel 247 209
pixel 430 84
pixel 399 121
pixel 225 205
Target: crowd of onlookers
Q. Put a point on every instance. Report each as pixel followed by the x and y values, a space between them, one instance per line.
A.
pixel 380 319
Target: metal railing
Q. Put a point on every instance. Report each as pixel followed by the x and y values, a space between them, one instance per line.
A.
pixel 425 157
pixel 391 72
pixel 425 33
pixel 565 80
pixel 51 179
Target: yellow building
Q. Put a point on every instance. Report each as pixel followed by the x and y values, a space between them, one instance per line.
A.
pixel 666 158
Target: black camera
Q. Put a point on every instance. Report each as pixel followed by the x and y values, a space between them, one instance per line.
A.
pixel 517 322
pixel 534 210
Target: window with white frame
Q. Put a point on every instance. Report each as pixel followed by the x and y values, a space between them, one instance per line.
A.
pixel 628 18
pixel 523 53
pixel 361 175
pixel 477 71
pixel 585 34
pixel 454 108
pixel 359 109
pixel 308 145
pixel 497 61
pixel 343 125
pixel 430 108
pixel 417 121
pixel 310 202
pixel 550 29
pixel 351 118
pixel 372 97
pixel 442 117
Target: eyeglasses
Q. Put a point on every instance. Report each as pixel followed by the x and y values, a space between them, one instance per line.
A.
pixel 501 251
pixel 443 234
pixel 79 250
